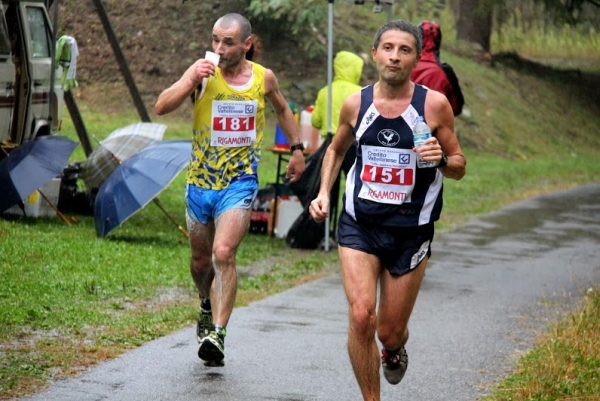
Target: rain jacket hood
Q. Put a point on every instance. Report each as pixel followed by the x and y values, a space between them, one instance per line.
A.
pixel 347 69
pixel 432 40
pixel 434 73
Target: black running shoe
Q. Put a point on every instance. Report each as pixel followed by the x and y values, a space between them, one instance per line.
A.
pixel 394 364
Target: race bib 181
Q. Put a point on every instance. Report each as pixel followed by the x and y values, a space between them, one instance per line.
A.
pixel 233 123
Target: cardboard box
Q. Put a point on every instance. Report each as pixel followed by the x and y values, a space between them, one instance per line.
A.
pixel 36 205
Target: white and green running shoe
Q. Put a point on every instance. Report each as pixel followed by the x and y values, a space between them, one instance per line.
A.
pixel 212 347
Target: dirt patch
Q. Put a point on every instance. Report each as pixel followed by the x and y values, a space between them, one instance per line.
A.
pixel 160 40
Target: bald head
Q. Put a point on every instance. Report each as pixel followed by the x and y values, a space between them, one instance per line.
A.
pixel 233 19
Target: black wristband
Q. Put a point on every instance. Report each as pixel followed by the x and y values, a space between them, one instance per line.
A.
pixel 298 146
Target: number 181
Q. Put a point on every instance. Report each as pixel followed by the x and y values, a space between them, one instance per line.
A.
pixel 233 123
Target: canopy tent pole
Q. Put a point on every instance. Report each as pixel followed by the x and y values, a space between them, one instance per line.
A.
pixel 329 96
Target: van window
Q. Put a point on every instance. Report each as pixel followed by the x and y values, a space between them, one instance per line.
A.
pixel 40 32
pixel 4 42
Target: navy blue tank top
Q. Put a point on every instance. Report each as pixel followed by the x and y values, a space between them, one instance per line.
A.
pixel 385 186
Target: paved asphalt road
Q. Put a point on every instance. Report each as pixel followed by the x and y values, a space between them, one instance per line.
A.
pixel 491 287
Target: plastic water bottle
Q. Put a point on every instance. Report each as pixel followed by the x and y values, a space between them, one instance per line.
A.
pixel 421 133
pixel 308 134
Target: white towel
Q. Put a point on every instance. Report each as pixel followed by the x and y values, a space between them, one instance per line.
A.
pixel 74 53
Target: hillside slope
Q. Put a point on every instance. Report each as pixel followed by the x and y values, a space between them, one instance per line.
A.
pixel 505 98
pixel 159 40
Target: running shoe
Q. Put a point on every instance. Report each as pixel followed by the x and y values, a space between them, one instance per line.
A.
pixel 212 348
pixel 204 325
pixel 394 364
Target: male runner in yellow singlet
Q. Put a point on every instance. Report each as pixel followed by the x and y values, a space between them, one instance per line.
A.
pixel 222 179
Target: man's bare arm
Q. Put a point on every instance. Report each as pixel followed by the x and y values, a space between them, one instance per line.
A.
pixel 334 156
pixel 171 98
pixel 440 118
pixel 283 113
pixel 287 123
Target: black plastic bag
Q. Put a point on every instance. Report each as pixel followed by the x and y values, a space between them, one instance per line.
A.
pixel 305 233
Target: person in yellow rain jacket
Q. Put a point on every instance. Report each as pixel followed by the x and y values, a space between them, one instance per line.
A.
pixel 347 70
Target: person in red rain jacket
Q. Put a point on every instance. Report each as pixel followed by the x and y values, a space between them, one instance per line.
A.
pixel 434 73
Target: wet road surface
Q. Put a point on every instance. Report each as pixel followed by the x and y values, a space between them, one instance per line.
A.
pixel 491 287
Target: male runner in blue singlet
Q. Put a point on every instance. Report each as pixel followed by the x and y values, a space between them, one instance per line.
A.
pixel 390 205
pixel 222 178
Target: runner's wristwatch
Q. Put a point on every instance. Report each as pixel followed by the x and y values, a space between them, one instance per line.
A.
pixel 298 146
pixel 443 161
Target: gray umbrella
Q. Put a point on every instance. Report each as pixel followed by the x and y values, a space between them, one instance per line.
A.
pixel 120 145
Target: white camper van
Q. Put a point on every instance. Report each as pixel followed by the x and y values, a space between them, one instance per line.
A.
pixel 28 106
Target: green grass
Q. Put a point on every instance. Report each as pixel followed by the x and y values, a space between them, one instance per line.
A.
pixel 537 40
pixel 565 363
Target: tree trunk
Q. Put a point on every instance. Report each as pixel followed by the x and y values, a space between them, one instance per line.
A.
pixel 455 7
pixel 475 23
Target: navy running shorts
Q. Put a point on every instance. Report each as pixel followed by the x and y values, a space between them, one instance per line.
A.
pixel 400 249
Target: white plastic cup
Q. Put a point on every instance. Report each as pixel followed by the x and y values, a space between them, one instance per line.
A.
pixel 212 57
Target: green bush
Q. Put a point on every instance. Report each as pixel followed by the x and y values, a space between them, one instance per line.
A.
pixel 284 20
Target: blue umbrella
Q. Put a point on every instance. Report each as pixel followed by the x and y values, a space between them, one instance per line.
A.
pixel 137 181
pixel 31 165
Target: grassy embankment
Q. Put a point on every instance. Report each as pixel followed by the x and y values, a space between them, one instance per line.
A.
pixel 69 300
